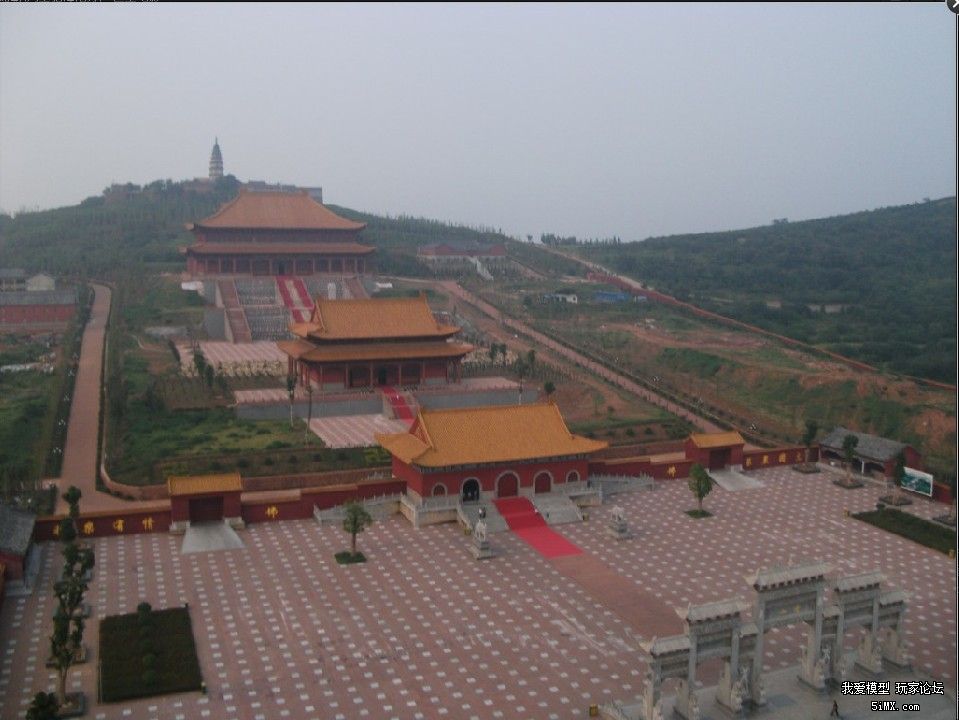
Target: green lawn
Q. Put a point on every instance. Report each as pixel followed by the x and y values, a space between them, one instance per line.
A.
pixel 26 409
pixel 125 645
pixel 909 526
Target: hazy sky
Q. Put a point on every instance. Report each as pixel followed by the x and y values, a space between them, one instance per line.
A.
pixel 589 120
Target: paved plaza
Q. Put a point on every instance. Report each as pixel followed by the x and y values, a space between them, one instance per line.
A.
pixel 423 631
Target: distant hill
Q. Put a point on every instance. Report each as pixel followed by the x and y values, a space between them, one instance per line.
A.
pixel 887 275
pixel 104 235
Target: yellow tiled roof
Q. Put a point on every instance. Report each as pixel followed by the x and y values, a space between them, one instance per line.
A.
pixel 372 318
pixel 197 484
pixel 716 440
pixel 465 436
pixel 375 351
pixel 277 210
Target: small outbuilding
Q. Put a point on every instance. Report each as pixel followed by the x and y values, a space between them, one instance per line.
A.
pixel 715 451
pixel 873 453
pixel 204 499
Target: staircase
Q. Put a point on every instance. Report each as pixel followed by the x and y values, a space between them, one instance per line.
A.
pixel 468 514
pixel 355 288
pixel 239 327
pixel 526 522
pixel 295 297
pixel 401 410
pixel 557 509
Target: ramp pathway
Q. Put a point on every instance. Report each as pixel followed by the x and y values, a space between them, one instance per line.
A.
pixel 524 520
pixel 207 537
pixel 732 480
pixel 401 409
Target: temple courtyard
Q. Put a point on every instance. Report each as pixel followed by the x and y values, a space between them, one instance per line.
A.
pixel 424 631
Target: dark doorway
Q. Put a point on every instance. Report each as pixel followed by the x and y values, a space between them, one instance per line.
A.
pixel 718 459
pixel 471 490
pixel 206 509
pixel 281 268
pixel 381 376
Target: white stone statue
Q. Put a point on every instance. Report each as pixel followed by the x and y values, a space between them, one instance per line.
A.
pixel 742 684
pixel 479 531
pixel 617 515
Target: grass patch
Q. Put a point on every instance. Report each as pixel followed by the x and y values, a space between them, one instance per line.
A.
pixel 698 514
pixel 695 362
pixel 137 661
pixel 345 557
pixel 914 528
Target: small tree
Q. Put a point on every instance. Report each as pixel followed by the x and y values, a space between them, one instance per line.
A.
pixel 849 444
pixel 812 427
pixel 898 477
pixel 67 638
pixel 531 360
pixel 700 483
pixel 549 388
pixel 355 520
pixel 199 362
pixel 309 412
pixel 44 707
pixel 291 391
pixel 493 351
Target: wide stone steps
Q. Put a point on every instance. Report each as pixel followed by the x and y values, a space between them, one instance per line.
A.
pixel 494 521
pixel 557 509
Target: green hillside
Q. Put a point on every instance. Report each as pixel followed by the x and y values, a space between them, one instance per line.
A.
pixel 892 272
pixel 101 237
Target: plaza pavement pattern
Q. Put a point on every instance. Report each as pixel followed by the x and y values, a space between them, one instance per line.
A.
pixel 354 430
pixel 423 631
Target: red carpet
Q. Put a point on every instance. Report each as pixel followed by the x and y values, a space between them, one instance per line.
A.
pixel 521 516
pixel 401 410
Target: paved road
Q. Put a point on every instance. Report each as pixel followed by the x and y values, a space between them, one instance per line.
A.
pixel 80 452
pixel 602 371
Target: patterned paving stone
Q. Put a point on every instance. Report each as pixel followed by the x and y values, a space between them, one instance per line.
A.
pixel 423 631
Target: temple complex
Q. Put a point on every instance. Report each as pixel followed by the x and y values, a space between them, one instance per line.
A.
pixel 373 342
pixel 483 453
pixel 275 233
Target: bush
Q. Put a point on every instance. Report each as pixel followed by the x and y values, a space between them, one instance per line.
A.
pixel 630 432
pixel 268 462
pixel 149 660
pixel 149 677
pixel 243 463
pixel 144 608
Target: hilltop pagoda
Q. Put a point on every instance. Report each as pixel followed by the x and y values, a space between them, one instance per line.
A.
pixel 374 342
pixel 276 233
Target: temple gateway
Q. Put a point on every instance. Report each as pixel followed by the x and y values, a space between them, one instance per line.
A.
pixel 373 342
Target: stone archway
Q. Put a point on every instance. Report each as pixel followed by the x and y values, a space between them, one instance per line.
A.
pixel 471 490
pixel 439 489
pixel 507 485
pixel 542 483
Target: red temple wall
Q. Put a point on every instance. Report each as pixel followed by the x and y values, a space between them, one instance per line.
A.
pixel 423 483
pixel 27 314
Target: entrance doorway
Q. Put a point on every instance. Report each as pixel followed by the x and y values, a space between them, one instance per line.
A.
pixel 542 483
pixel 281 268
pixel 718 459
pixel 381 376
pixel 471 490
pixel 507 486
pixel 208 509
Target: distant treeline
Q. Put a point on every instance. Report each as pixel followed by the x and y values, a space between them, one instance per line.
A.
pixel 879 286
